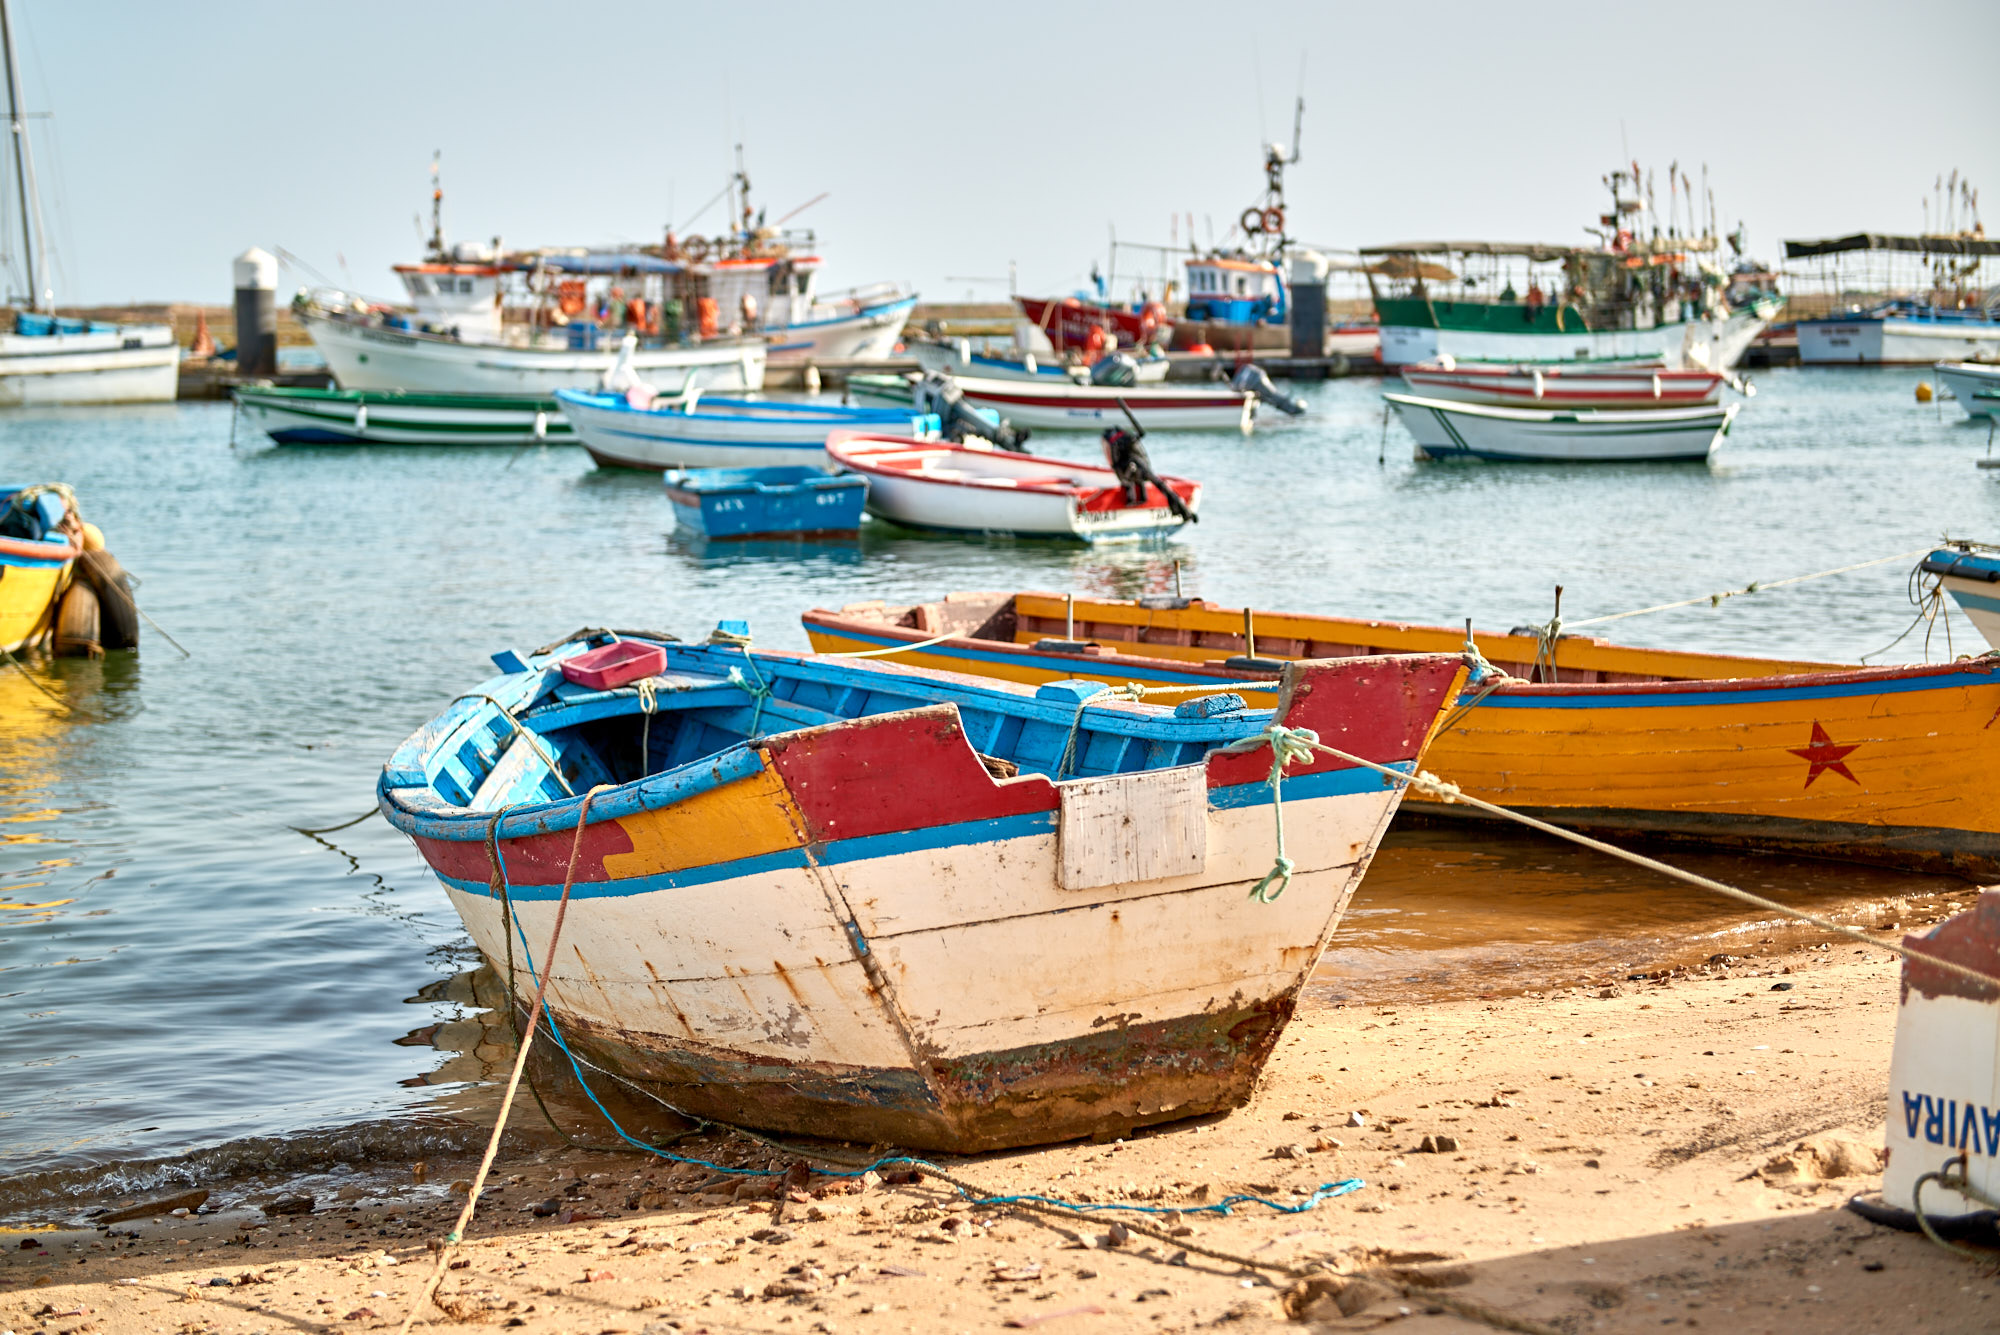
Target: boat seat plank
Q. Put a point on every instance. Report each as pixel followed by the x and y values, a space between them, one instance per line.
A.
pixel 519 776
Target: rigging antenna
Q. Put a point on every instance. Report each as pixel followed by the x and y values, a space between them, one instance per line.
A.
pixel 34 251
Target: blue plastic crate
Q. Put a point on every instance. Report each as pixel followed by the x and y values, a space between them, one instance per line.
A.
pixel 757 502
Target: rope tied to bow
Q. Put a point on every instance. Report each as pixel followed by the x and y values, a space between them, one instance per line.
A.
pixel 1287 745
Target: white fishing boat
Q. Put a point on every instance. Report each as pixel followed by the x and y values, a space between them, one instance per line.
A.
pixel 51 360
pixel 1094 407
pixel 1445 429
pixel 958 357
pixel 964 489
pixel 698 431
pixel 1940 299
pixel 1564 386
pixel 1650 292
pixel 1976 386
pixel 391 417
pixel 370 347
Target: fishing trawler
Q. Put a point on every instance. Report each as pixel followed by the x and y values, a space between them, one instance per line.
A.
pixel 1648 294
pixel 49 359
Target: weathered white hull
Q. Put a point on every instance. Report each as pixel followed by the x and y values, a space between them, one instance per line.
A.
pixel 133 365
pixel 980 964
pixel 1715 343
pixel 1446 430
pixel 870 335
pixel 367 356
pixel 919 504
pixel 1894 341
pixel 1093 407
pixel 1976 387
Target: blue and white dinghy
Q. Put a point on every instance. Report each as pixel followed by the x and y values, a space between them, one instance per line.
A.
pixel 695 431
pixel 846 898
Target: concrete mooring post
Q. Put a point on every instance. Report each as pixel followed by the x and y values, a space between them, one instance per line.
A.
pixel 1308 283
pixel 256 313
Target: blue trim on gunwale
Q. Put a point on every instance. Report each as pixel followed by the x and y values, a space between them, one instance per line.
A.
pixel 411 803
pixel 999 829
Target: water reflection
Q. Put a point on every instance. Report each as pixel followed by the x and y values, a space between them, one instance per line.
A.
pixel 1452 910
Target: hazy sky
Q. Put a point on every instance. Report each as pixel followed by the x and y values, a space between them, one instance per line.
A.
pixel 954 140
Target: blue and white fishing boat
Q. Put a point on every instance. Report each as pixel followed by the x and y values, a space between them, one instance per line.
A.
pixel 694 431
pixel 839 897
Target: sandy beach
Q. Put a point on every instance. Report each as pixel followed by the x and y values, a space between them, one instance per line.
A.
pixel 1619 1156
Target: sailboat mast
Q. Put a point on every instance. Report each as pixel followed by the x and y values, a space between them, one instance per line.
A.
pixel 33 256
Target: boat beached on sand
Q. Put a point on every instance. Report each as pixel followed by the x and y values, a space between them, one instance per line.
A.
pixel 854 900
pixel 936 485
pixel 1445 429
pixel 1887 765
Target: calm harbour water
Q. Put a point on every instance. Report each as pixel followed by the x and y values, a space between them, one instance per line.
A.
pixel 198 972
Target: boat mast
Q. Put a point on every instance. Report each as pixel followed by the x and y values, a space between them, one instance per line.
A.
pixel 35 259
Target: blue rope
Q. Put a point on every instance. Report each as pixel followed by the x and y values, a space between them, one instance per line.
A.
pixel 1325 1191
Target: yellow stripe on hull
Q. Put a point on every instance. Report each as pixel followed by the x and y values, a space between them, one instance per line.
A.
pixel 741 820
pixel 26 593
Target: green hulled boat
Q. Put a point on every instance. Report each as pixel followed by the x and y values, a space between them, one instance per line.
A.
pixel 388 417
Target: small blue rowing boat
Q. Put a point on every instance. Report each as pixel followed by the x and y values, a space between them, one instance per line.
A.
pixel 759 502
pixel 692 431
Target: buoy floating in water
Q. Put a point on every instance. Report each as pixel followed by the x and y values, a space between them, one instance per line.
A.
pixel 1924 391
pixel 1944 1078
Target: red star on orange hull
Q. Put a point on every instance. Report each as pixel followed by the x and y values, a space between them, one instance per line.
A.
pixel 1823 755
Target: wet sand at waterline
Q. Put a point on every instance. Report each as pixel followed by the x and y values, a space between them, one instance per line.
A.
pixel 1621 1158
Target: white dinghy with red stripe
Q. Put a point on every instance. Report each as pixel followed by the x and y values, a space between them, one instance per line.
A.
pixel 932 484
pixel 1524 386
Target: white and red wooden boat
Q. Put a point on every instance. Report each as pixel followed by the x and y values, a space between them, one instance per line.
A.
pixel 1068 322
pixel 932 484
pixel 1094 407
pixel 1564 387
pixel 892 905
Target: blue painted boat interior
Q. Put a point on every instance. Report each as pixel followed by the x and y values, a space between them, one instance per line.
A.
pixel 711 699
pixel 707 480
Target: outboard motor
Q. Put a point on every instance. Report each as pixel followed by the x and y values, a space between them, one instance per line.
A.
pixel 1116 369
pixel 1252 380
pixel 939 393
